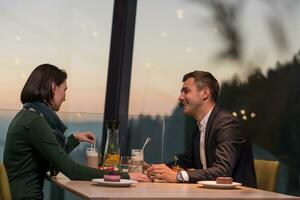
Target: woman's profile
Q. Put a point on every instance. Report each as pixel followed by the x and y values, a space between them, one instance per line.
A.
pixel 35 141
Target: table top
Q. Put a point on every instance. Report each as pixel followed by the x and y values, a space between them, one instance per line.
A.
pixel 90 190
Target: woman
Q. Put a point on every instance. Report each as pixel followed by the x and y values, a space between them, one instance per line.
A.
pixel 35 142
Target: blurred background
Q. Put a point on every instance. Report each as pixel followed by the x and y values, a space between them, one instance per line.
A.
pixel 250 46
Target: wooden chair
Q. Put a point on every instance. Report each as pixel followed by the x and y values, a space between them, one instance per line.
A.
pixel 266 174
pixel 4 184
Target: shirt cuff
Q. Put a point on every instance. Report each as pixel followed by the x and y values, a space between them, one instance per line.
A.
pixel 185 176
pixel 124 175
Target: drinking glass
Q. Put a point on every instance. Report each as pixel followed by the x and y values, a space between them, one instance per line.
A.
pixel 137 160
pixel 92 157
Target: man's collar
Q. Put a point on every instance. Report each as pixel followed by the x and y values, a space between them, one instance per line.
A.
pixel 204 121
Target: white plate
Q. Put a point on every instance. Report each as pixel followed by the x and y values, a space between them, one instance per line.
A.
pixel 122 183
pixel 213 184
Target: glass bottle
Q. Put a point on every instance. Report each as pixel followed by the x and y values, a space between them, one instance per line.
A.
pixel 112 150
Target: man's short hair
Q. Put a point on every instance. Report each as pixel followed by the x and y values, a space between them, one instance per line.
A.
pixel 205 79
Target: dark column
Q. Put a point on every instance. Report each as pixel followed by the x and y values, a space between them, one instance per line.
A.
pixel 119 69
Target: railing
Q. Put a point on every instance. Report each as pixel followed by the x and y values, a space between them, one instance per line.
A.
pixel 166 132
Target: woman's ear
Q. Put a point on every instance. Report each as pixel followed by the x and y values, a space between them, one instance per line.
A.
pixel 53 87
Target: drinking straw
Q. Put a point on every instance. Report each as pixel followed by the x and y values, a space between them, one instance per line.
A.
pixel 146 142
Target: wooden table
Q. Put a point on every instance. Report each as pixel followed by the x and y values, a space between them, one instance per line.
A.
pixel 89 190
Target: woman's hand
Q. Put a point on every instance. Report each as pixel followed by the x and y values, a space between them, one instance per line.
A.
pixel 146 165
pixel 139 177
pixel 85 137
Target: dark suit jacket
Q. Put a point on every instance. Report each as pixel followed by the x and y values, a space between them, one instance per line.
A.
pixel 228 153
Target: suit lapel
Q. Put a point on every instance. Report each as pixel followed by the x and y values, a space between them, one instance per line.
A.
pixel 211 118
pixel 196 140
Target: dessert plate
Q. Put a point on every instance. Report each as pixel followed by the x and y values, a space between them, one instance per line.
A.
pixel 122 183
pixel 213 184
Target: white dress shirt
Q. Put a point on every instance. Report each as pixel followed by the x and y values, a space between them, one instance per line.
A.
pixel 202 129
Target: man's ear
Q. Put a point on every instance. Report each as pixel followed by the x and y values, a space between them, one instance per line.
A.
pixel 205 93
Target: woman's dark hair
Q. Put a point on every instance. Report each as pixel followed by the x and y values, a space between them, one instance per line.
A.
pixel 38 86
pixel 205 79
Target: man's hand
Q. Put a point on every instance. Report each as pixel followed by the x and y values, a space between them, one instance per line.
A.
pixel 161 171
pixel 85 137
pixel 139 177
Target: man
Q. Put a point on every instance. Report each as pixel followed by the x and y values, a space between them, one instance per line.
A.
pixel 219 147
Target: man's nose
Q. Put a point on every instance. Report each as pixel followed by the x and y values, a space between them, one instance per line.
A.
pixel 180 97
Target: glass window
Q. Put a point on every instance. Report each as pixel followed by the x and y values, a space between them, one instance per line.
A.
pixel 74 35
pixel 251 47
pixel 184 35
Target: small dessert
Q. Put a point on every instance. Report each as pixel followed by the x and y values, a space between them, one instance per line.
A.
pixel 224 180
pixel 112 178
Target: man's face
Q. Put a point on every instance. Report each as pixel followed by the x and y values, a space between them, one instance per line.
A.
pixel 191 97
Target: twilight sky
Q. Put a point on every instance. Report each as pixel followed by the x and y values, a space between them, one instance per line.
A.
pixel 172 37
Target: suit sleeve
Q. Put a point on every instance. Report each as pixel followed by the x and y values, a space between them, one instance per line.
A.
pixel 47 145
pixel 229 144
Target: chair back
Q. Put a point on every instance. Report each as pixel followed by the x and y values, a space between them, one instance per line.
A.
pixel 4 184
pixel 266 174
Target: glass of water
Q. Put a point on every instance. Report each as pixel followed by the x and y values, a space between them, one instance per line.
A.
pixel 137 160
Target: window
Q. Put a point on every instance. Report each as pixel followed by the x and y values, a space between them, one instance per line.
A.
pixel 74 35
pixel 251 47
